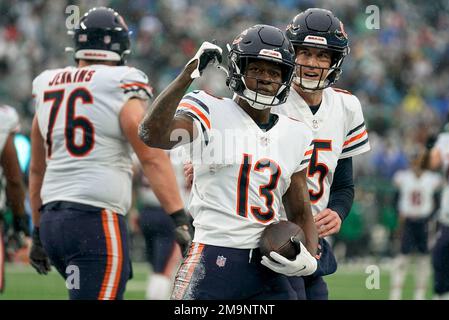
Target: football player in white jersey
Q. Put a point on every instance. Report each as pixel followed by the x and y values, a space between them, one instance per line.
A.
pixel 83 135
pixel 12 193
pixel 439 159
pixel 417 188
pixel 336 120
pixel 247 162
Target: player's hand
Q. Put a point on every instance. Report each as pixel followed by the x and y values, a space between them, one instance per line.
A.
pixel 327 222
pixel 38 257
pixel 182 231
pixel 304 264
pixel 188 174
pixel 207 53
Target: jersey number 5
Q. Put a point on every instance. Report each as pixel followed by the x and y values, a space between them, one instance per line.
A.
pixel 72 122
pixel 265 190
pixel 319 168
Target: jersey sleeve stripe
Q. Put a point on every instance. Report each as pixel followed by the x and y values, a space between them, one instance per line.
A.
pixel 355 138
pixel 356 128
pixel 147 88
pixel 199 102
pixel 197 111
pixel 195 117
pixel 147 93
pixel 136 86
pixel 355 146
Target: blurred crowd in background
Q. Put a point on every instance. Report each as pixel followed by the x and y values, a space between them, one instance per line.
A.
pixel 400 73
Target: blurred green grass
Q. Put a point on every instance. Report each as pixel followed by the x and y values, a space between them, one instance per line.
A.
pixel 23 283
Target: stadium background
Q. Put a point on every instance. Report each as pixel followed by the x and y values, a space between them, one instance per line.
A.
pixel 399 72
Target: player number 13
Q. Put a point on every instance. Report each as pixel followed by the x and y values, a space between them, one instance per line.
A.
pixel 265 190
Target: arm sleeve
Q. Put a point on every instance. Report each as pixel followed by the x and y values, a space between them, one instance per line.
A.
pixel 356 140
pixel 192 106
pixel 342 189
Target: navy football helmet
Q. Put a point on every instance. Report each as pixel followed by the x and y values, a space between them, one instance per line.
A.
pixel 319 28
pixel 260 42
pixel 102 34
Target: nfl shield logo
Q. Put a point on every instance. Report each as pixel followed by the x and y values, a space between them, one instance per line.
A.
pixel 221 261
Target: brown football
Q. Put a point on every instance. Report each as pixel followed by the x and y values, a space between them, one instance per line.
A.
pixel 276 237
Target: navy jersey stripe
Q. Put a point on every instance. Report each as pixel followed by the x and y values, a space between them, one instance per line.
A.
pixel 199 102
pixel 355 146
pixel 192 115
pixel 356 128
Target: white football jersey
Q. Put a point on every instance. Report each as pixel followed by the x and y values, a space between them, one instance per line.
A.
pixel 9 123
pixel 416 193
pixel 442 144
pixel 88 157
pixel 339 132
pixel 241 171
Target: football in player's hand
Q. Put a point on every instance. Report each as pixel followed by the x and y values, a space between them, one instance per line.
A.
pixel 278 237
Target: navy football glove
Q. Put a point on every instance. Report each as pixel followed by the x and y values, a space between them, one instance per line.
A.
pixel 38 257
pixel 182 231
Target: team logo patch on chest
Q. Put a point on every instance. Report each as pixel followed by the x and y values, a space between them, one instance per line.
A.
pixel 264 141
pixel 221 261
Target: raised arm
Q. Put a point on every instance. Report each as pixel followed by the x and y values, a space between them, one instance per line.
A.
pixel 160 127
pixel 160 122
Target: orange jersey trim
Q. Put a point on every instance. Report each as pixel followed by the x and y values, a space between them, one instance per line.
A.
pixel 357 137
pixel 139 84
pixel 197 111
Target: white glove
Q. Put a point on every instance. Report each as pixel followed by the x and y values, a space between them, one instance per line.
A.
pixel 304 264
pixel 208 52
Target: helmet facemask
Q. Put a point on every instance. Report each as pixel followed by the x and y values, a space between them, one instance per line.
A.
pixel 254 98
pixel 320 29
pixel 332 74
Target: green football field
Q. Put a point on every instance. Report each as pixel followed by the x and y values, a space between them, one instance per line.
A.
pixel 22 282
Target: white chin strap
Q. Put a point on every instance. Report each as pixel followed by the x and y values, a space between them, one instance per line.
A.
pixel 307 84
pixel 259 101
